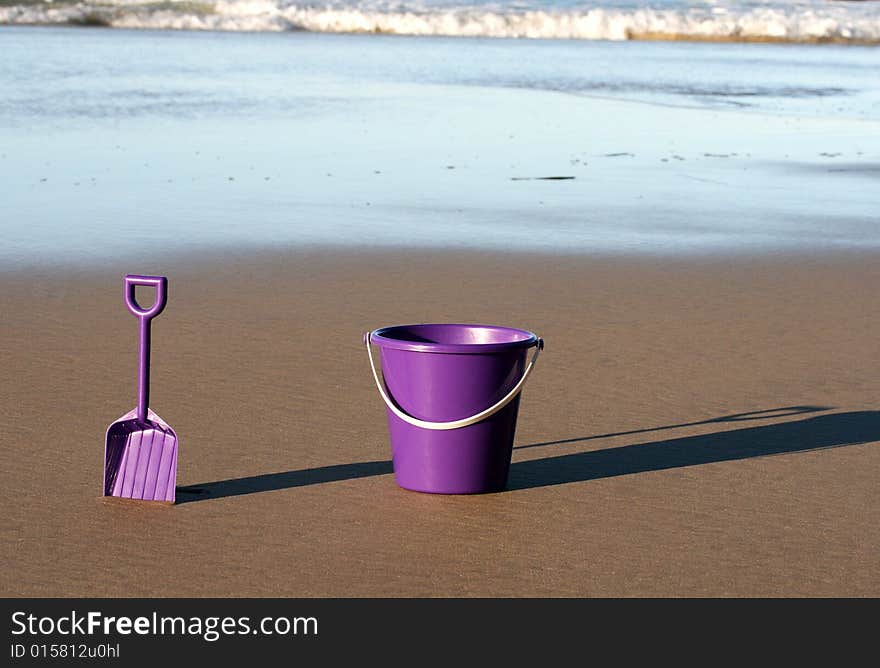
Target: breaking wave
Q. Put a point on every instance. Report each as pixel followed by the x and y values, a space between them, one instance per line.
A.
pixel 812 22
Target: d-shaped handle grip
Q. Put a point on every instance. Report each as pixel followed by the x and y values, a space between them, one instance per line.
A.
pixel 158 282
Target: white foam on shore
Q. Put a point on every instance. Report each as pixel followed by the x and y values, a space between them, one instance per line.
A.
pixel 795 22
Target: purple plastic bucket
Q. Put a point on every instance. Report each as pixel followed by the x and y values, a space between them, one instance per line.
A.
pixel 437 376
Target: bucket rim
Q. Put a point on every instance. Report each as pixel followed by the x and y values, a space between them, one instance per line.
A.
pixel 383 337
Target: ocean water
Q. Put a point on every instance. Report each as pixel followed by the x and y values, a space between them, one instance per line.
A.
pixel 151 143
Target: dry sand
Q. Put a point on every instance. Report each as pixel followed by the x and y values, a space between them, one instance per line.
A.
pixel 626 480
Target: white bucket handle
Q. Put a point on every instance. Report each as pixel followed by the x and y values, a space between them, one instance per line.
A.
pixel 454 424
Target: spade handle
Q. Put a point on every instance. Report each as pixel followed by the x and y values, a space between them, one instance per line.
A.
pixel 144 316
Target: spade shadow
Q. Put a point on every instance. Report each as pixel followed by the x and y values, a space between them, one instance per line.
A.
pixel 815 433
pixel 269 482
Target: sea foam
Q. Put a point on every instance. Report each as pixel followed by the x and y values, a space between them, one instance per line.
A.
pixel 783 22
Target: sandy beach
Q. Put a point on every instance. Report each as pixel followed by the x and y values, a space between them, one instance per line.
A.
pixel 695 427
pixel 692 228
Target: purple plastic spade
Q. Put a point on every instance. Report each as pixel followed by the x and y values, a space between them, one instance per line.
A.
pixel 140 452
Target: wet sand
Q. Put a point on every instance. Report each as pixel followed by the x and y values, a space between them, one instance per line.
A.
pixel 704 428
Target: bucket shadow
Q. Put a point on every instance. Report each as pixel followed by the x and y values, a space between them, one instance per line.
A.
pixel 825 431
pixel 815 433
pixel 769 413
pixel 274 481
